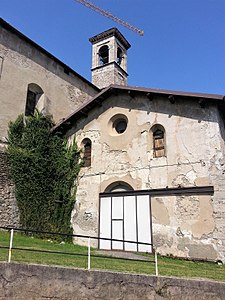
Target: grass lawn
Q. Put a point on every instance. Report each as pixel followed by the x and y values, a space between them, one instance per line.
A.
pixel 167 266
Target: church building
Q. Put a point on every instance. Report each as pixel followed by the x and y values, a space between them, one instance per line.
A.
pixel 153 173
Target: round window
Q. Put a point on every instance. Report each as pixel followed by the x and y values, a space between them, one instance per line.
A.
pixel 120 125
pixel 117 124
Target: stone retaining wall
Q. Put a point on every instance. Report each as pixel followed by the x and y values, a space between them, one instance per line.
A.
pixel 9 213
pixel 19 281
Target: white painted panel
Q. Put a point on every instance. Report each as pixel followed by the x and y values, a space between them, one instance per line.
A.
pixel 117 233
pixel 143 217
pixel 117 207
pixel 105 222
pixel 130 229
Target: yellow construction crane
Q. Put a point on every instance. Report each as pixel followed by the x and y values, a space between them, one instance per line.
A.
pixel 110 16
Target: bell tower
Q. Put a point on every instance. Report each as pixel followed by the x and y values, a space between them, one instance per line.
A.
pixel 109 58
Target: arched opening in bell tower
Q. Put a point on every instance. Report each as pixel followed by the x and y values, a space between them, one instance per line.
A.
pixel 119 55
pixel 104 55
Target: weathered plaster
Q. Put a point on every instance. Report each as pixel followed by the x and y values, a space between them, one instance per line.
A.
pixel 194 157
pixel 160 213
pixel 189 227
pixel 25 64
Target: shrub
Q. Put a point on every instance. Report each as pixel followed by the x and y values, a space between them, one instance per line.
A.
pixel 44 168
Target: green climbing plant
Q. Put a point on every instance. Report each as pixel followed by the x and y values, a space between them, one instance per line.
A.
pixel 44 167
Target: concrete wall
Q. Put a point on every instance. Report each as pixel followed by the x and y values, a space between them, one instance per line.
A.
pixel 40 282
pixel 183 226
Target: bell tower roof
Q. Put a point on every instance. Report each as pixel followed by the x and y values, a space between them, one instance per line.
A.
pixel 110 33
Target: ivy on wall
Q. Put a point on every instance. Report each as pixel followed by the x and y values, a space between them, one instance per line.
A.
pixel 44 169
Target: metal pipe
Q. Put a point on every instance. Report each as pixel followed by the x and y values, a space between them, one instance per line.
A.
pixel 156 264
pixel 89 254
pixel 10 245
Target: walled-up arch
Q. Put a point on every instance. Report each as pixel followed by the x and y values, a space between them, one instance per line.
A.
pixel 158 140
pixel 87 147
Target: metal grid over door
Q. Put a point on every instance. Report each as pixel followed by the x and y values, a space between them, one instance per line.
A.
pixel 125 218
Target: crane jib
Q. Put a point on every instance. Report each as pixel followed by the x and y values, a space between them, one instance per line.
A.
pixel 107 14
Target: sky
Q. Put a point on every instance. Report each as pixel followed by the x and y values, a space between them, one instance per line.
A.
pixel 183 47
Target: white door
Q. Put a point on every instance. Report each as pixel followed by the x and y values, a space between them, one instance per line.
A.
pixel 126 219
pixel 105 222
pixel 117 222
pixel 143 226
pixel 130 223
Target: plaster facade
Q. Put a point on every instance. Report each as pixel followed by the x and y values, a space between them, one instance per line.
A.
pixel 189 226
pixel 22 62
pixel 193 142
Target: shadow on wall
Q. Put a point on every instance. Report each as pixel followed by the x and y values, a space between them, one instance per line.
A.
pixel 160 104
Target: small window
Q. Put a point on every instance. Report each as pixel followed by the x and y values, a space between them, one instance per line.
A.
pixel 104 55
pixel 87 152
pixel 119 56
pixel 31 103
pixel 158 141
pixel 120 126
pixel 34 92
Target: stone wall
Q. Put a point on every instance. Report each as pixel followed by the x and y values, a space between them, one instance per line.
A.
pixel 9 213
pixel 110 73
pixel 41 282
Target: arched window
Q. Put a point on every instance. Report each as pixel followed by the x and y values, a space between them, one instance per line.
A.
pixel 119 186
pixel 87 152
pixel 104 55
pixel 34 92
pixel 119 56
pixel 158 140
